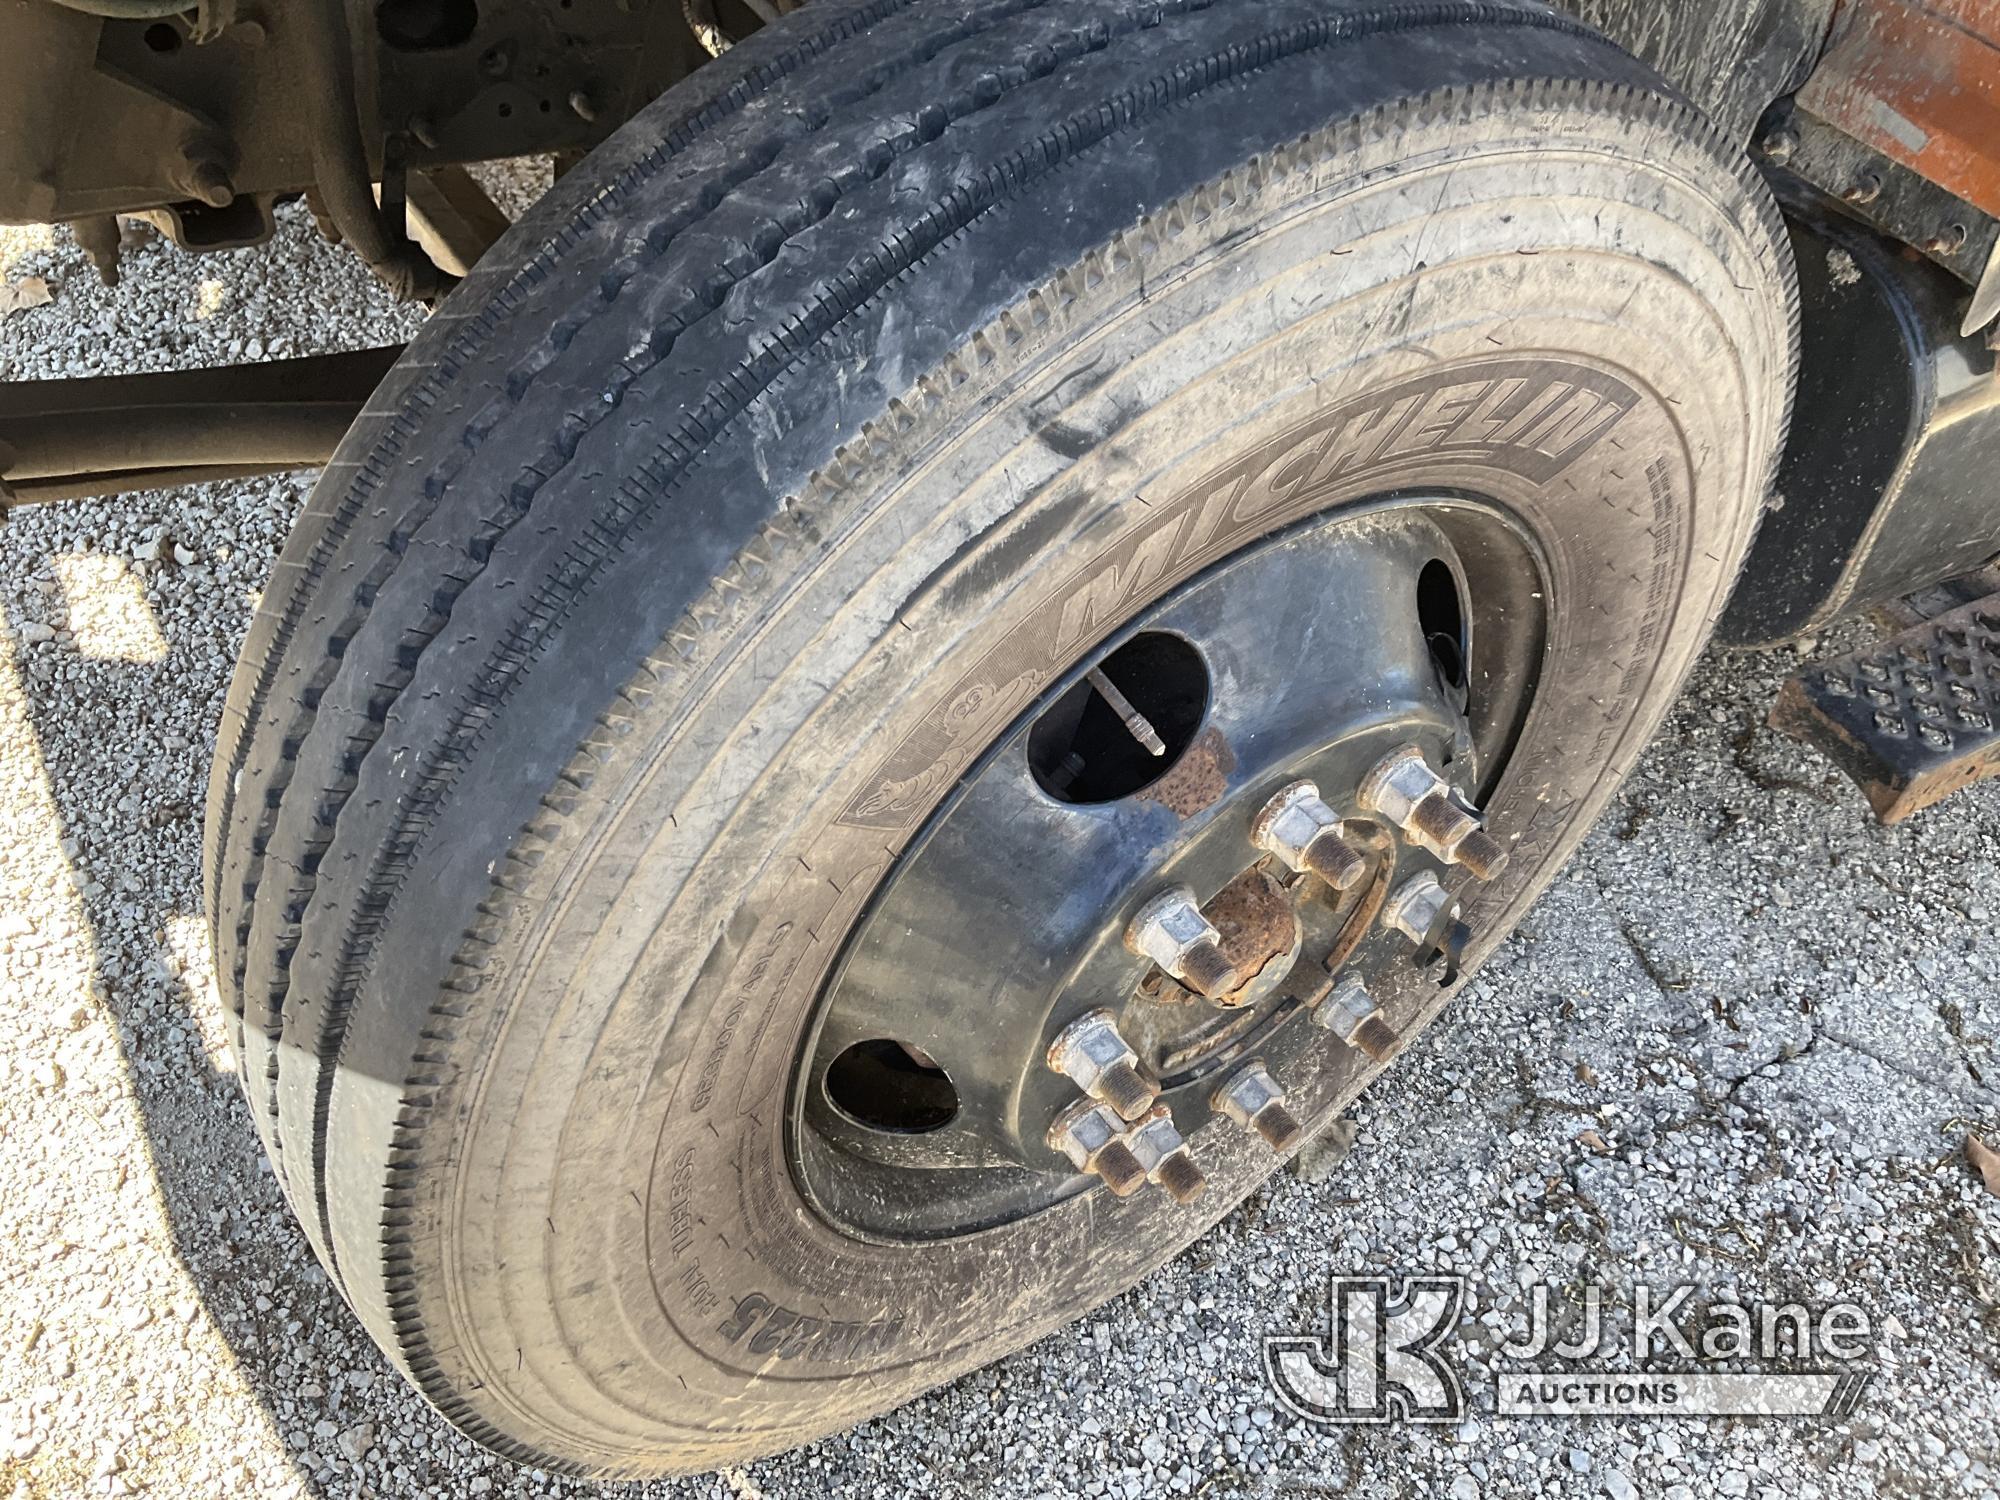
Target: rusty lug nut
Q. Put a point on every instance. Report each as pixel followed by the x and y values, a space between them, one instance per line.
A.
pixel 1172 932
pixel 1352 1015
pixel 1165 1156
pixel 1307 835
pixel 1253 1100
pixel 1404 789
pixel 1091 1135
pixel 1440 824
pixel 1092 1054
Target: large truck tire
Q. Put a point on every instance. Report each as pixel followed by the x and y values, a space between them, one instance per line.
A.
pixel 662 819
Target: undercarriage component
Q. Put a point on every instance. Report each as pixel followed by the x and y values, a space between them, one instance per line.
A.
pixel 1887 482
pixel 1918 81
pixel 1912 718
pixel 108 434
pixel 202 117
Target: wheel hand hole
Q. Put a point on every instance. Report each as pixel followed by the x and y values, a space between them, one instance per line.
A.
pixel 1082 750
pixel 1441 617
pixel 891 1086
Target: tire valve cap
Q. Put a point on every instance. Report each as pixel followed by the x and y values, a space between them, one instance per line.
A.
pixel 1172 932
pixel 1092 1054
pixel 1165 1157
pixel 1352 1015
pixel 1404 789
pixel 1308 837
pixel 1253 1100
pixel 1091 1135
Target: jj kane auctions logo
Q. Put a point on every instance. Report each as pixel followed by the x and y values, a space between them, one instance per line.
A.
pixel 1384 1357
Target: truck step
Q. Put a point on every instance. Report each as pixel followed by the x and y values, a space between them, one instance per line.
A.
pixel 1911 718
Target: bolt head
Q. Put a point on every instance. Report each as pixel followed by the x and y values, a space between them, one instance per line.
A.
pixel 1414 907
pixel 1083 1129
pixel 1088 1047
pixel 1344 1011
pixel 1247 1091
pixel 1168 927
pixel 1398 782
pixel 1153 1137
pixel 1296 826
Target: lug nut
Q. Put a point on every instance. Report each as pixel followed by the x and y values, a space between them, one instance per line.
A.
pixel 1092 1054
pixel 1404 789
pixel 1307 835
pixel 1172 932
pixel 1253 1100
pixel 1352 1015
pixel 1165 1157
pixel 1092 1136
pixel 1417 905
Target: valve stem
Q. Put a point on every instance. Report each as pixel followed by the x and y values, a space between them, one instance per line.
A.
pixel 1140 727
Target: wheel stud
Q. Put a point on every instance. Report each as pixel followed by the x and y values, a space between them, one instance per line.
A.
pixel 1253 1100
pixel 1306 835
pixel 1093 1055
pixel 1352 1015
pixel 1404 789
pixel 1165 1156
pixel 1172 932
pixel 1091 1135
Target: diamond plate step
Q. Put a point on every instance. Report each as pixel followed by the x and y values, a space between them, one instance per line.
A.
pixel 1912 718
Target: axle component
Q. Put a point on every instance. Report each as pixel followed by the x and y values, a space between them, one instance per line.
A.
pixel 109 434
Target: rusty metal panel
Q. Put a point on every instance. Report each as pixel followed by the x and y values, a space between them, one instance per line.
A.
pixel 1913 718
pixel 1920 83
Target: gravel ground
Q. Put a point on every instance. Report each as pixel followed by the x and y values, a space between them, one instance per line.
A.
pixel 1738 1043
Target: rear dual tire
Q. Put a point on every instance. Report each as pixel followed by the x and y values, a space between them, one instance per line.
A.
pixel 652 608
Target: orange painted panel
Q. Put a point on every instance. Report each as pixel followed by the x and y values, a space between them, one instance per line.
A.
pixel 1919 82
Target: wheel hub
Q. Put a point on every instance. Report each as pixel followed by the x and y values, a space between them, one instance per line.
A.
pixel 1126 920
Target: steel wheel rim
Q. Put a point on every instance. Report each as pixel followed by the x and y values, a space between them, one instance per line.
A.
pixel 980 1157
